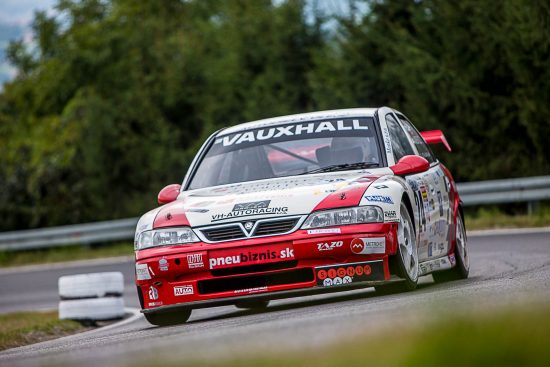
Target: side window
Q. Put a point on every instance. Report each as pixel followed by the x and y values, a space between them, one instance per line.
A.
pixel 399 141
pixel 423 148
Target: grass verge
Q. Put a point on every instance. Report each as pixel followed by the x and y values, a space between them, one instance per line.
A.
pixel 506 339
pixel 66 253
pixel 491 218
pixel 22 328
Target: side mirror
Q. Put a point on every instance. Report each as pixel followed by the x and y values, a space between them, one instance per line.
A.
pixel 409 165
pixel 435 137
pixel 169 194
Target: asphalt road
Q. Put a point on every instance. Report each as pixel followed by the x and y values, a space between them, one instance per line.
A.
pixel 506 270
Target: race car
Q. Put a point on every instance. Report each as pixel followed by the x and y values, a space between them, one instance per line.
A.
pixel 298 205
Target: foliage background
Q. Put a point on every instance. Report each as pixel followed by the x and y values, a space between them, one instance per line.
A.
pixel 118 95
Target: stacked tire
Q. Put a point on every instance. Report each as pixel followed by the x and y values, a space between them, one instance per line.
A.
pixel 91 297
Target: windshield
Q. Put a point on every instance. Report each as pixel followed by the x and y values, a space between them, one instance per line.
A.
pixel 288 150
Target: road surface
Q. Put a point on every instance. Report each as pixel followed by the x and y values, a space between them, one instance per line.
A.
pixel 506 270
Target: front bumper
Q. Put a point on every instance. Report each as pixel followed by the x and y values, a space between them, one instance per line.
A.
pixel 204 275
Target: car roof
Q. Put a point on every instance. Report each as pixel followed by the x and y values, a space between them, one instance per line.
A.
pixel 289 119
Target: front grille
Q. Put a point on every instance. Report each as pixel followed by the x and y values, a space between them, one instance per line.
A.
pixel 255 281
pixel 224 233
pixel 275 227
pixel 262 227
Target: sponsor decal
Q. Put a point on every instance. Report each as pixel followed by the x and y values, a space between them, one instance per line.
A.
pixel 254 255
pixel 323 230
pixel 412 183
pixel 391 216
pixel 251 206
pixel 142 272
pixel 331 275
pixel 327 282
pixel 163 264
pixel 197 210
pixel 183 290
pixel 379 199
pixel 387 140
pixel 436 264
pixel 357 245
pixel 452 259
pixel 440 202
pixel 343 196
pixel 250 209
pixel 291 130
pixel 153 304
pixel 251 290
pixel 329 246
pixel 153 293
pixel 195 261
pixel 370 245
pixel 378 187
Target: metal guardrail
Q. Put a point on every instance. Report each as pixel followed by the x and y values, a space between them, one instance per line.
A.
pixel 505 191
pixel 530 189
pixel 76 234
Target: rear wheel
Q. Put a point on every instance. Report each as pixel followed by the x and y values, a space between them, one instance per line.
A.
pixel 168 318
pixel 462 268
pixel 253 305
pixel 405 262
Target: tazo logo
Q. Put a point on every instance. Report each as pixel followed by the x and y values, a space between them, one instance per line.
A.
pixel 328 246
pixel 250 209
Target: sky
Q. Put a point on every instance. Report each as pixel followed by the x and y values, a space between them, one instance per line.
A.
pixel 15 19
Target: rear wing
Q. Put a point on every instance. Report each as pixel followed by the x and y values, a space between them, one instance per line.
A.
pixel 435 137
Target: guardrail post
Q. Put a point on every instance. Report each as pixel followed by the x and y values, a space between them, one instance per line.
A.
pixel 533 207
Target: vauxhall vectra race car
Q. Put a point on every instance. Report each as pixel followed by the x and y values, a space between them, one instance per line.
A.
pixel 297 205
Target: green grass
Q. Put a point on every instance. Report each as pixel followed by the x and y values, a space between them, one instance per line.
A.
pixel 22 328
pixel 506 339
pixel 490 218
pixel 67 253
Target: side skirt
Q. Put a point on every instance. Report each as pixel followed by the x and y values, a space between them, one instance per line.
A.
pixel 442 263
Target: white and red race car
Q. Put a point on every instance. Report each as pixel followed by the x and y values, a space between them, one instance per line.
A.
pixel 301 204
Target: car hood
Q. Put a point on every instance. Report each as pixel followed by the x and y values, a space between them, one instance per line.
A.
pixel 297 195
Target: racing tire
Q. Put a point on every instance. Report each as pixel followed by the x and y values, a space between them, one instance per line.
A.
pixel 253 305
pixel 92 309
pixel 168 318
pixel 93 285
pixel 405 262
pixel 462 268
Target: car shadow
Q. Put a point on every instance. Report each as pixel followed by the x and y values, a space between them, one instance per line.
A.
pixel 300 302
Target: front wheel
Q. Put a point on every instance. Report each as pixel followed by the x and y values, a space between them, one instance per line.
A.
pixel 406 259
pixel 462 267
pixel 168 318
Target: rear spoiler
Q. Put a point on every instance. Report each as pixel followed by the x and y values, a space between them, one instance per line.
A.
pixel 435 137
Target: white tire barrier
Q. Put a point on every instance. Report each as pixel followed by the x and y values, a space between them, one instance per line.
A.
pixel 91 297
pixel 93 309
pixel 91 285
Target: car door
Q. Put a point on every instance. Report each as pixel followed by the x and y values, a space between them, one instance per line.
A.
pixel 435 237
pixel 420 183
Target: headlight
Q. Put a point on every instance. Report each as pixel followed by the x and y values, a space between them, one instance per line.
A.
pixel 165 237
pixel 340 217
